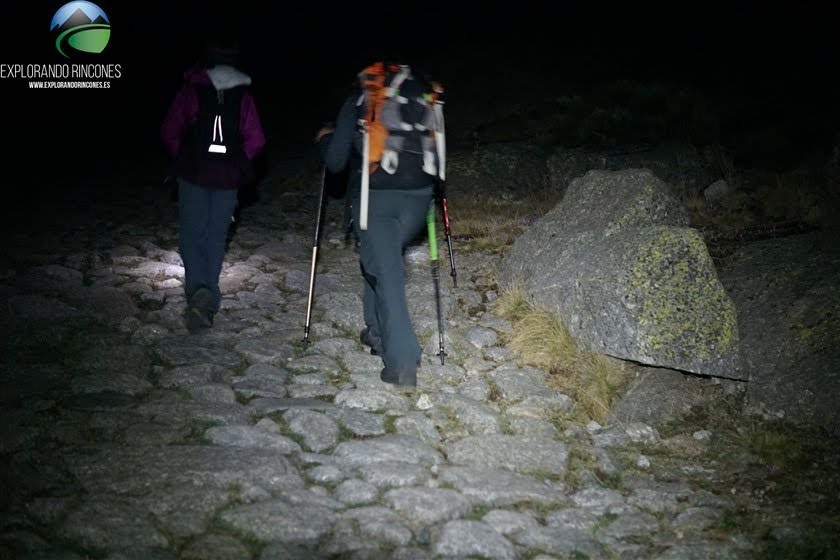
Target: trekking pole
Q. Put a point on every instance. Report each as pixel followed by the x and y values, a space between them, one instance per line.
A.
pixel 314 255
pixel 433 254
pixel 452 272
pixel 365 187
pixel 440 144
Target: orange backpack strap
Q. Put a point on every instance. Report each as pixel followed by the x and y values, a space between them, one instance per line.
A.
pixel 372 80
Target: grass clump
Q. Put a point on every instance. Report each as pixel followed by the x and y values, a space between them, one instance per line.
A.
pixel 776 444
pixel 512 304
pixel 791 471
pixel 540 339
pixel 492 223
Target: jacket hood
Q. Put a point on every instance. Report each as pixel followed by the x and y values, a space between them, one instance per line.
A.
pixel 221 77
pixel 227 77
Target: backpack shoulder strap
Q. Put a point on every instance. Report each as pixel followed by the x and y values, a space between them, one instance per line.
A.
pixel 396 82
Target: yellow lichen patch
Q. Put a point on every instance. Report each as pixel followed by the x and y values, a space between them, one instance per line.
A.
pixel 684 311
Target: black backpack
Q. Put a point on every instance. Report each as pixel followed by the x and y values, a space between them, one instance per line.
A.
pixel 215 134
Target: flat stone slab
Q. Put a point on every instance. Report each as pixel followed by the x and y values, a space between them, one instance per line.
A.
pixel 186 509
pixel 388 448
pixel 379 524
pixel 192 375
pixel 296 518
pixel 392 474
pixel 267 405
pixel 112 523
pixel 517 453
pixel 464 538
pixel 135 470
pixel 500 487
pixel 423 506
pixel 371 400
pixel 185 352
pixel 250 437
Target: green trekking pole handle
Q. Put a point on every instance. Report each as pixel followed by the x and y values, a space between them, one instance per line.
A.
pixel 433 255
pixel 430 223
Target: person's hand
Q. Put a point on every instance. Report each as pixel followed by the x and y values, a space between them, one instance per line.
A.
pixel 326 129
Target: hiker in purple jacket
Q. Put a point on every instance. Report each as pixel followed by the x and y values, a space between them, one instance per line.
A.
pixel 212 131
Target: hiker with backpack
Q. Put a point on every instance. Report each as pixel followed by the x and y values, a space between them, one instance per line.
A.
pixel 385 133
pixel 212 132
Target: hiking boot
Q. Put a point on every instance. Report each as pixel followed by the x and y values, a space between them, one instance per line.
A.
pixel 198 319
pixel 401 377
pixel 198 314
pixel 374 342
pixel 202 298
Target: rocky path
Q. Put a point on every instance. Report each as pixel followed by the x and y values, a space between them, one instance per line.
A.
pixel 124 437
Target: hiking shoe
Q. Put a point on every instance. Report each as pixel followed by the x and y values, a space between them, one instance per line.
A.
pixel 198 319
pixel 201 298
pixel 401 377
pixel 374 342
pixel 198 314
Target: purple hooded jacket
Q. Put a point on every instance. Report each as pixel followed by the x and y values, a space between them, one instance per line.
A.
pixel 183 113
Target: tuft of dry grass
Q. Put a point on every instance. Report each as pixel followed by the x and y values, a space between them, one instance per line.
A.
pixel 543 341
pixel 488 222
pixel 512 303
pixel 775 444
pixel 540 339
pixel 721 160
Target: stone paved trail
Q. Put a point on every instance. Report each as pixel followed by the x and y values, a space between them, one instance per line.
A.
pixel 124 437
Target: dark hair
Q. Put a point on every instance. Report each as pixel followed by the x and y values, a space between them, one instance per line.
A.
pixel 221 50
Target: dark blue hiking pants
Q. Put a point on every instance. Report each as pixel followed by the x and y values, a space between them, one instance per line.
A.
pixel 204 218
pixel 395 218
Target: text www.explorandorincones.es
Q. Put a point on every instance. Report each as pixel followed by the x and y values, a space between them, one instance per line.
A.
pixel 69 85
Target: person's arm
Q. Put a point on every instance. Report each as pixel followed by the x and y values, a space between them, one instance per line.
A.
pixel 182 112
pixel 336 147
pixel 253 137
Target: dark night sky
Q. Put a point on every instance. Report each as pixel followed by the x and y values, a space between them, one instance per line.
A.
pixel 773 57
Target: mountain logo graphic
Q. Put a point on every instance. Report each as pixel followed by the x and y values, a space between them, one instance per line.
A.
pixel 80 27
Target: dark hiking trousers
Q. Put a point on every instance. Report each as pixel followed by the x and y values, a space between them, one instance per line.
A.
pixel 395 218
pixel 204 218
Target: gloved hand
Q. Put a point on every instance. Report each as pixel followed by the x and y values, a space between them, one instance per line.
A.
pixel 326 128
